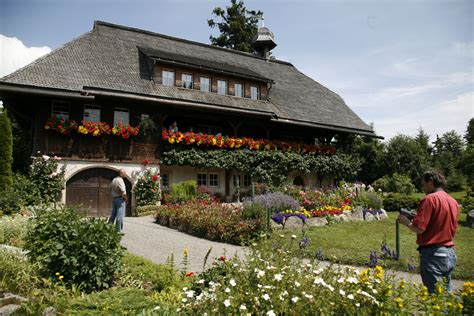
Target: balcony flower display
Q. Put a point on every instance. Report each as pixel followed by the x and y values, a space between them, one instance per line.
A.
pixel 94 128
pixel 124 131
pixel 225 142
pixel 61 125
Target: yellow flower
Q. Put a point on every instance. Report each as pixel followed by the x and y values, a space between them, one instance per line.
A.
pixel 57 273
pixel 61 277
pixel 82 130
pixel 186 252
pixel 96 132
pixel 171 140
pixel 460 306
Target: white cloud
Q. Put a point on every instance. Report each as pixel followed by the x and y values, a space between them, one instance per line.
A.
pixel 14 54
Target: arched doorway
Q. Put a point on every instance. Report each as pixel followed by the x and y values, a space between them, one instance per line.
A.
pixel 89 190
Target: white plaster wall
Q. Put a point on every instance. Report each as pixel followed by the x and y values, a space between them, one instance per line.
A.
pixel 183 173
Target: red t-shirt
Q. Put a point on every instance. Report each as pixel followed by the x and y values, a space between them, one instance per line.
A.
pixel 438 217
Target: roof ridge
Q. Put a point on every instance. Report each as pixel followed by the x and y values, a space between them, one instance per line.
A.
pixel 39 59
pixel 229 50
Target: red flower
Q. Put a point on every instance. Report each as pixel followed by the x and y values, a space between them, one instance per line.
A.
pixel 155 178
pixel 145 162
pixel 153 190
pixel 221 258
pixel 189 274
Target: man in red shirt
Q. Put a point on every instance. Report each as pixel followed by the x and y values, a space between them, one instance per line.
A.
pixel 435 225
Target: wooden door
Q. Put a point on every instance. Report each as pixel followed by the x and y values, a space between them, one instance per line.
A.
pixel 90 192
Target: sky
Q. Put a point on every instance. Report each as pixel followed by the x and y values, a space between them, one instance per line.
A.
pixel 400 65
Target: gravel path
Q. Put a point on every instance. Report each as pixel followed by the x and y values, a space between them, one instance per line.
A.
pixel 145 238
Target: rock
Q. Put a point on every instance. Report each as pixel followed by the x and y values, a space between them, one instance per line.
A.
pixel 49 311
pixel 358 213
pixel 345 218
pixel 9 298
pixel 9 309
pixel 294 222
pixel 383 215
pixel 470 219
pixel 317 221
pixel 369 217
pixel 275 225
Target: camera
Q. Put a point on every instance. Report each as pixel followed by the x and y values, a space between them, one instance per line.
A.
pixel 407 213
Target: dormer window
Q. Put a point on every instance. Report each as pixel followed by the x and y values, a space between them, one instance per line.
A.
pixel 222 87
pixel 254 93
pixel 60 109
pixel 238 91
pixel 168 78
pixel 205 84
pixel 186 81
pixel 92 113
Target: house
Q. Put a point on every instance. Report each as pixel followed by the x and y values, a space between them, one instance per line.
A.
pixel 117 74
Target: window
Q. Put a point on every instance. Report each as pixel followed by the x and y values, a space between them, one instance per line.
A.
pixel 205 87
pixel 121 116
pixel 247 180
pixel 213 179
pixel 202 179
pixel 91 113
pixel 60 109
pixel 238 90
pixel 221 86
pixel 236 178
pixel 254 93
pixel 209 129
pixel 168 78
pixel 165 180
pixel 187 81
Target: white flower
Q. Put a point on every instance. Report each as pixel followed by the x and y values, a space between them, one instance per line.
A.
pixel 157 307
pixel 243 307
pixel 352 280
pixel 184 300
pixel 260 273
pixel 375 291
pixel 342 292
pixel 295 299
pixel 308 296
pixel 297 284
pixel 266 297
pixel 341 280
pixel 45 157
pixel 278 277
pixel 211 283
pixel 227 290
pixel 293 236
pixel 232 282
pixel 190 293
pixel 319 281
pixel 350 296
pixel 271 313
pixel 201 281
pixel 199 297
pixel 185 289
pixel 227 303
pixel 282 236
pixel 318 271
pixel 357 304
pixel 330 287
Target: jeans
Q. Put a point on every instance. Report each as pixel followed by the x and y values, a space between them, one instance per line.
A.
pixel 118 213
pixel 435 264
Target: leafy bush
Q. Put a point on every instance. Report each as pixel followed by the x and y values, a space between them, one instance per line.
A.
pixel 81 252
pixel 13 230
pixel 393 202
pixel 467 204
pixel 374 201
pixel 253 211
pixel 396 183
pixel 10 202
pixel 46 175
pixel 455 182
pixel 212 221
pixel 147 190
pixel 6 158
pixel 27 190
pixel 277 202
pixel 183 192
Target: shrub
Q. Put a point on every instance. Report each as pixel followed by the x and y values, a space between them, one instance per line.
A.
pixel 393 202
pixel 147 190
pixel 27 190
pixel 467 204
pixel 17 275
pixel 75 251
pixel 47 177
pixel 183 192
pixel 277 202
pixel 6 153
pixel 371 200
pixel 13 230
pixel 253 211
pixel 396 183
pixel 10 202
pixel 455 182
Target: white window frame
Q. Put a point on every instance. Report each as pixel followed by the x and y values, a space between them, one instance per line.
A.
pixel 166 79
pixel 216 180
pixel 241 90
pixel 121 117
pixel 205 86
pixel 247 180
pixel 91 113
pixel 234 180
pixel 60 109
pixel 200 179
pixel 222 87
pixel 184 83
pixel 254 93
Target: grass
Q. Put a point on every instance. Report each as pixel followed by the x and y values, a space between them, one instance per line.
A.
pixel 458 196
pixel 351 243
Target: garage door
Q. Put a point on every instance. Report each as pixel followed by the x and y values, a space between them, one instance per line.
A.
pixel 89 191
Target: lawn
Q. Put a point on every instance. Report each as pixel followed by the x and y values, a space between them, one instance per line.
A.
pixel 458 196
pixel 351 243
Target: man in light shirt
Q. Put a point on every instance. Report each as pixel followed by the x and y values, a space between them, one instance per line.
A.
pixel 119 202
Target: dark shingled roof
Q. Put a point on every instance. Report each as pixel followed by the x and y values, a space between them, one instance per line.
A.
pixel 108 57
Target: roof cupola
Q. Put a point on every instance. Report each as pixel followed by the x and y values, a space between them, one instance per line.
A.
pixel 264 41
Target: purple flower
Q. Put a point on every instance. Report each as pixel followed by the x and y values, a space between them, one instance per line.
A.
pixel 277 201
pixel 280 218
pixel 304 242
pixel 374 259
pixel 319 254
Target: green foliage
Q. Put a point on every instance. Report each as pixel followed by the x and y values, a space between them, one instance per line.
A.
pixel 271 167
pixel 17 274
pixel 374 201
pixel 237 28
pixel 254 211
pixel 144 210
pixel 393 202
pixel 6 158
pixel 455 182
pixel 448 152
pixel 147 190
pixel 46 175
pixel 370 152
pixel 183 191
pixel 467 165
pixel 21 131
pixel 397 183
pixel 13 230
pixel 26 189
pixel 469 135
pixel 10 202
pixel 86 252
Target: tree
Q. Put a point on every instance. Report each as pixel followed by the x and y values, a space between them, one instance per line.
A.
pixel 423 140
pixel 6 157
pixel 469 135
pixel 237 28
pixel 370 152
pixel 447 153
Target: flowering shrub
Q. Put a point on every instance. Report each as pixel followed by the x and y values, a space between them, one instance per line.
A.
pixel 467 295
pixel 48 178
pixel 147 190
pixel 220 141
pixel 271 281
pixel 276 202
pixel 61 125
pixel 125 131
pixel 210 220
